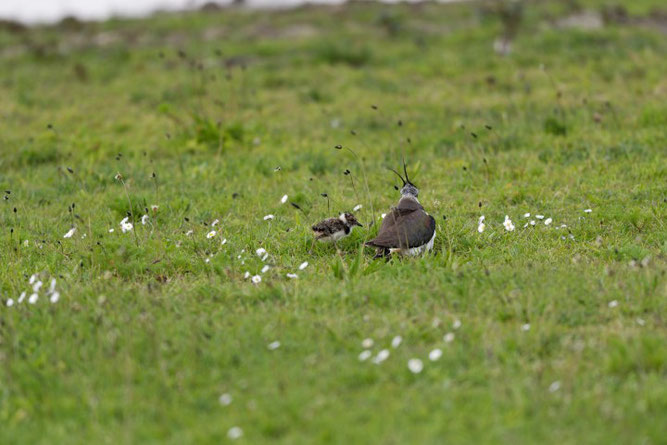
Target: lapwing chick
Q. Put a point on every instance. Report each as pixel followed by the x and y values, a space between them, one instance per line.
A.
pixel 407 229
pixel 333 229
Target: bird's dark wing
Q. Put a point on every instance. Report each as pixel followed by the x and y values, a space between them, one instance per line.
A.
pixel 404 228
pixel 329 226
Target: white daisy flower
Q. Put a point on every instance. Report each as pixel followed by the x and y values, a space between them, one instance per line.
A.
pixel 37 286
pixel 555 386
pixel 189 232
pixel 367 343
pixel 266 255
pixel 225 399
pixel 234 433
pixel 70 233
pixel 155 208
pixel 357 208
pixel 539 216
pixel 268 217
pixel 215 223
pixel 274 345
pixel 33 298
pixel 435 354
pixel 481 226
pixel 532 222
pixel 256 279
pixel 303 265
pixel 588 210
pixel 508 224
pixel 144 220
pixel 266 268
pixel 415 365
pixel 32 279
pixel 292 275
pixel 364 355
pixel 456 324
pixel 383 215
pixel 246 275
pixel 283 200
pixel 640 321
pixel 10 302
pixel 613 304
pixel 126 226
pixel 526 215
pixel 449 337
pixel 525 327
pixel 22 297
pixel 211 234
pixel 382 356
pixel 396 341
pixel 261 251
pixel 223 242
pixel 55 296
pixel 548 221
pixel 111 230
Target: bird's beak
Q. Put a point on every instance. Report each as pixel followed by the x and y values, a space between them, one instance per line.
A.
pixel 359 224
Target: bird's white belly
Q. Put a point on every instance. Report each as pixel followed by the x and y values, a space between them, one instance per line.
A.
pixel 333 237
pixel 414 251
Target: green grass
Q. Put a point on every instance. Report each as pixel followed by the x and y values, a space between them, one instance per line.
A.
pixel 155 324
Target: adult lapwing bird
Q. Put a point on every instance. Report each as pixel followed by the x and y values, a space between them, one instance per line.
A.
pixel 407 229
pixel 333 229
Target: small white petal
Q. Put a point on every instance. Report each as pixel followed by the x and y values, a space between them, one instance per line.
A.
pixel 456 324
pixel 396 341
pixel 55 297
pixel 539 216
pixel 37 286
pixel 268 217
pixel 274 345
pixel 22 297
pixel 303 265
pixel 415 365
pixel 367 343
pixel 382 356
pixel 33 298
pixel 70 233
pixel 292 275
pixel 525 327
pixel 383 215
pixel 449 337
pixel 266 268
pixel 532 222
pixel 144 220
pixel 548 221
pixel 256 279
pixel 588 210
pixel 215 223
pixel 364 355
pixel 110 230
pixel 189 232
pixel 261 251
pixel 481 227
pixel 481 219
pixel 234 433
pixel 223 242
pixel 640 321
pixel 246 275
pixel 613 304
pixel 555 386
pixel 266 255
pixel 225 399
pixel 283 200
pixel 357 208
pixel 526 215
pixel 10 302
pixel 33 277
pixel 211 234
pixel 435 354
pixel 52 287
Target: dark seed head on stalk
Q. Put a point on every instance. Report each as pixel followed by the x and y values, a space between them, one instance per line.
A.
pixel 444 217
pixel 474 135
pixel 375 107
pixel 295 205
pixel 488 127
pixel 480 204
pixel 70 170
pixel 400 123
pixel 186 219
pixel 338 147
pixel 324 195
pixel 346 172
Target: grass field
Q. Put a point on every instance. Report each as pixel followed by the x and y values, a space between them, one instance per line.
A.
pixel 559 330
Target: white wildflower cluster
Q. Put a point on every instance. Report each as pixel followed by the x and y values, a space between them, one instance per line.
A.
pixel 35 288
pixel 415 365
pixel 125 225
pixel 510 227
